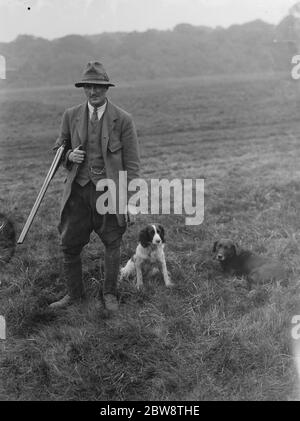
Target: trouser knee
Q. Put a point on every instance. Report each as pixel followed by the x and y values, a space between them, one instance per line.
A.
pixel 71 254
pixel 113 245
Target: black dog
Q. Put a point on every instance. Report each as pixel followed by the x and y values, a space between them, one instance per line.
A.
pixel 258 269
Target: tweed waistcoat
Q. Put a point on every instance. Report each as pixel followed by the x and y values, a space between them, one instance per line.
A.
pixel 93 165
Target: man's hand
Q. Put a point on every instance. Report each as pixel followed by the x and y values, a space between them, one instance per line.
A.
pixel 77 155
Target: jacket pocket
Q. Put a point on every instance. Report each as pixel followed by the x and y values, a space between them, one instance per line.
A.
pixel 114 143
pixel 114 146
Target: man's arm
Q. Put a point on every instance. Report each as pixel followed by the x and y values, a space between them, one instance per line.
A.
pixel 131 150
pixel 131 158
pixel 65 138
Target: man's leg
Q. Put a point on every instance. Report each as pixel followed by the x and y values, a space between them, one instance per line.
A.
pixel 111 267
pixel 111 235
pixel 72 270
pixel 75 228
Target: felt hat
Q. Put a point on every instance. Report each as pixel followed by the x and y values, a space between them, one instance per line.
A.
pixel 94 73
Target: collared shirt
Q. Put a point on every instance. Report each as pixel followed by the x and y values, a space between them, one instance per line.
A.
pixel 100 110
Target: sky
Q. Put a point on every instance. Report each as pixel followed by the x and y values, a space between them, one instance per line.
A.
pixel 55 18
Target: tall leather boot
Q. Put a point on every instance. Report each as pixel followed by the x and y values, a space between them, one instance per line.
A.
pixel 73 277
pixel 72 269
pixel 111 267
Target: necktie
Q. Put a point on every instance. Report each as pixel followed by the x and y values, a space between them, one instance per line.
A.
pixel 94 118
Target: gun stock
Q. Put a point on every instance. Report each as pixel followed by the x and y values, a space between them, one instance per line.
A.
pixel 51 172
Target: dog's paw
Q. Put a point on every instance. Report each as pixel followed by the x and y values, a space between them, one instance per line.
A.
pixel 240 282
pixel 252 294
pixel 169 284
pixel 139 287
pixel 123 275
pixel 154 271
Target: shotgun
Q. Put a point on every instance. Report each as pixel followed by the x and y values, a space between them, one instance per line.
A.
pixel 50 175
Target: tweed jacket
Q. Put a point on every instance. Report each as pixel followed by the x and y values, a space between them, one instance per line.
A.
pixel 120 147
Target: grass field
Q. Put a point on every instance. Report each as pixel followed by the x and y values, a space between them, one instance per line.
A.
pixel 206 339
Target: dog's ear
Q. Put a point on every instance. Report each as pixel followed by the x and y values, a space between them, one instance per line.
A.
pixel 215 246
pixel 161 232
pixel 234 249
pixel 144 237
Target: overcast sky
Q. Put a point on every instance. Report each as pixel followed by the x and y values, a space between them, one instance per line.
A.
pixel 56 18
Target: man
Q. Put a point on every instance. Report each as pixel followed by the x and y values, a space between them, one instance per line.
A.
pixel 100 141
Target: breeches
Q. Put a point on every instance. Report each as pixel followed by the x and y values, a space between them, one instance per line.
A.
pixel 79 219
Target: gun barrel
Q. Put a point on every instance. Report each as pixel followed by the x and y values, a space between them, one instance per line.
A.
pixel 41 194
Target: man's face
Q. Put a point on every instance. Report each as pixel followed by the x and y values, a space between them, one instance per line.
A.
pixel 95 94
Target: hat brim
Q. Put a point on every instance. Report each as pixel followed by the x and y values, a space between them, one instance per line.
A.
pixel 93 82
